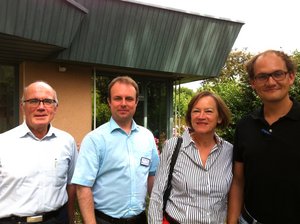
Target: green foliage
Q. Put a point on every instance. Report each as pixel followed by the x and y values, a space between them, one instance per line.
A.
pixel 181 99
pixel 103 112
pixel 295 90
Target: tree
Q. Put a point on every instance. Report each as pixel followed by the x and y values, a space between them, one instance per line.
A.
pixel 181 99
pixel 295 90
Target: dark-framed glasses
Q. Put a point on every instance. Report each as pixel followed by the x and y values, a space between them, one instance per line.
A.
pixel 277 76
pixel 36 102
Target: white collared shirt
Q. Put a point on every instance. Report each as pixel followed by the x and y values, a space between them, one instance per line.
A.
pixel 34 173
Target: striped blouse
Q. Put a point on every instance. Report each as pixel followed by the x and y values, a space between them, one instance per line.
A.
pixel 199 193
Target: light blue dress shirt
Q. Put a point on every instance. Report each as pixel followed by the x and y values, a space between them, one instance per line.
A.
pixel 34 173
pixel 117 165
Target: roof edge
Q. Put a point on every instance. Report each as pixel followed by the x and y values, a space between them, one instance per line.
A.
pixel 182 11
pixel 78 6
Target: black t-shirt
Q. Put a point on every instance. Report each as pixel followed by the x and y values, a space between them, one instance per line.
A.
pixel 271 157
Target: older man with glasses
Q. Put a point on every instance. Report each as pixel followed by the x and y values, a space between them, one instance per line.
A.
pixel 266 184
pixel 37 163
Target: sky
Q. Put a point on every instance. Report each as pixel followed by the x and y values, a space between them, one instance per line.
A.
pixel 269 24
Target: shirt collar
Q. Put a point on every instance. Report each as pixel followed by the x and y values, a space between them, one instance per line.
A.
pixel 293 114
pixel 24 131
pixel 187 139
pixel 114 126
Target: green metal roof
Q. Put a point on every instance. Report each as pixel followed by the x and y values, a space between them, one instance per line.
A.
pixel 37 29
pixel 124 35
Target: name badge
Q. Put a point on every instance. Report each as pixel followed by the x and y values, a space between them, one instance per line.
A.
pixel 145 161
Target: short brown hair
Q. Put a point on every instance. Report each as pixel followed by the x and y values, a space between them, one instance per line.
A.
pixel 223 110
pixel 290 65
pixel 123 79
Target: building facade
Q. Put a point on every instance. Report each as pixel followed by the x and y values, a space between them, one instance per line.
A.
pixel 79 46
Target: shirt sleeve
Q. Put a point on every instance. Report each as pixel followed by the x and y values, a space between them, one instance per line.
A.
pixel 88 162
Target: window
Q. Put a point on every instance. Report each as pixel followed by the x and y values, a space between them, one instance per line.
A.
pixel 9 95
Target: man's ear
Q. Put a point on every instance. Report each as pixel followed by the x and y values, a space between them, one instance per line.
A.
pixel 292 77
pixel 22 107
pixel 55 109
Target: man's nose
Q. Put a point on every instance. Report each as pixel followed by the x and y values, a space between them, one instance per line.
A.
pixel 41 105
pixel 271 80
pixel 123 102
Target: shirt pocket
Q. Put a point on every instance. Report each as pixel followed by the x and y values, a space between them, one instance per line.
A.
pixel 61 172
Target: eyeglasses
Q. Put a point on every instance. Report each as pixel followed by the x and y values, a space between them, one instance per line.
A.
pixel 277 76
pixel 36 102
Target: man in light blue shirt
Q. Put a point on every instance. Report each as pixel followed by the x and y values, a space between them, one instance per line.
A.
pixel 117 162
